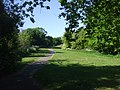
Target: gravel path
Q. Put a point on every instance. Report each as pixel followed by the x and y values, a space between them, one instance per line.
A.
pixel 23 79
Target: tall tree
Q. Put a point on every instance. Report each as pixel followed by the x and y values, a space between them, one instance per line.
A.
pixel 12 12
pixel 101 19
pixel 103 26
pixel 38 35
pixel 8 41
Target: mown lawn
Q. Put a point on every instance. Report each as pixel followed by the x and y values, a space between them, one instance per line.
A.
pixel 80 70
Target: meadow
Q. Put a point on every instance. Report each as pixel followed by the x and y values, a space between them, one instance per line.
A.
pixel 80 70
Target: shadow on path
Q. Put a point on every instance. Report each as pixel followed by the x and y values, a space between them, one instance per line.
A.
pixel 23 79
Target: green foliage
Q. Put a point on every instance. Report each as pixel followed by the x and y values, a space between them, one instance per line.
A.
pixel 48 41
pixel 38 36
pixel 106 30
pixel 80 39
pixel 32 38
pixel 57 41
pixel 75 40
pixel 24 42
pixel 73 11
pixel 101 21
pixel 66 39
pixel 19 9
pixel 8 42
pixel 12 13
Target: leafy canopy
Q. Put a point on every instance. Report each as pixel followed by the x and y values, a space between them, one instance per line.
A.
pixel 101 19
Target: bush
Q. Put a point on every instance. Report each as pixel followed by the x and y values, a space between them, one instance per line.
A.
pixel 8 61
pixel 32 49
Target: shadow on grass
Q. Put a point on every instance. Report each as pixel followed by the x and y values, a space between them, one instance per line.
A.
pixel 78 77
pixel 33 56
pixel 39 53
pixel 59 62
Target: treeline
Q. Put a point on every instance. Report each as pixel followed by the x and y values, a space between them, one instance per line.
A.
pixel 33 38
pixel 101 25
pixel 74 39
pixel 15 44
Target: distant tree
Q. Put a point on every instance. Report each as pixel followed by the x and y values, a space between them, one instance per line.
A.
pixel 49 41
pixel 37 36
pixel 24 42
pixel 57 41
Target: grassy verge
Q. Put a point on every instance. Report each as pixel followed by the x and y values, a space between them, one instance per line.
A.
pixel 80 70
pixel 33 57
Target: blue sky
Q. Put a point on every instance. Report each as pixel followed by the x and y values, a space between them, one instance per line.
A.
pixel 48 19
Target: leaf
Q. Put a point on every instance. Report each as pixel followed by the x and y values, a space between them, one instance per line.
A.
pixel 21 24
pixel 35 0
pixel 32 20
pixel 27 15
pixel 47 7
pixel 61 8
pixel 43 0
pixel 30 3
pixel 24 4
pixel 34 5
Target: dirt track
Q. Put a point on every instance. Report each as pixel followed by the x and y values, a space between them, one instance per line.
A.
pixel 23 80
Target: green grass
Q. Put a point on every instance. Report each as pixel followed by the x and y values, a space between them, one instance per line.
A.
pixel 80 70
pixel 33 57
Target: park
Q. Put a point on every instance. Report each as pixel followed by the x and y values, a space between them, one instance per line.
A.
pixel 86 56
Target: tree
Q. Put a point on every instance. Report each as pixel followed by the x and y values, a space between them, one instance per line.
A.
pixel 49 41
pixel 66 39
pixel 32 38
pixel 24 42
pixel 79 41
pixel 8 41
pixel 57 41
pixel 75 40
pixel 104 26
pixel 37 36
pixel 11 15
pixel 19 9
pixel 101 21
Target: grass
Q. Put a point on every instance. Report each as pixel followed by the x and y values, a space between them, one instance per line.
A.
pixel 33 57
pixel 80 70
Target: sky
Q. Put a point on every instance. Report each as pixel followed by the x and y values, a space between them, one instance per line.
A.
pixel 48 19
